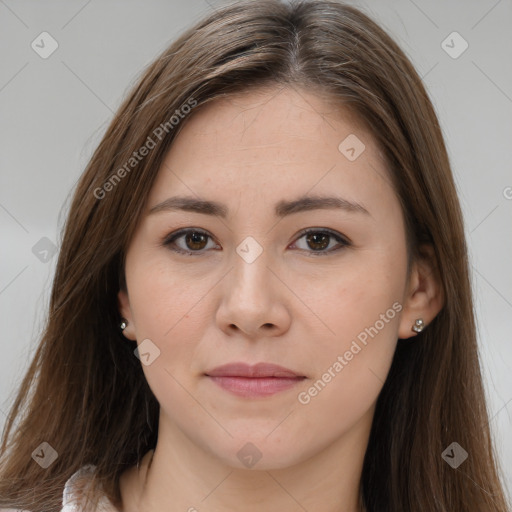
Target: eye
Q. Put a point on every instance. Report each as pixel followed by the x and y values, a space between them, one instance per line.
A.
pixel 320 242
pixel 189 241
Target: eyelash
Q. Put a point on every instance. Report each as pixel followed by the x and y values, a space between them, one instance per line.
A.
pixel 171 238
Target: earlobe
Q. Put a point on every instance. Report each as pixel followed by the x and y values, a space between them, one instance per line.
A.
pixel 424 296
pixel 126 326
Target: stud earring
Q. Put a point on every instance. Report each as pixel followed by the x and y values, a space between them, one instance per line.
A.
pixel 419 325
pixel 123 325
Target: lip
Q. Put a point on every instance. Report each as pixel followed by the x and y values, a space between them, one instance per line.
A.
pixel 252 371
pixel 262 379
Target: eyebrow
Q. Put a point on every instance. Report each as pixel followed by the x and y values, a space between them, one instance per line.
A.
pixel 282 208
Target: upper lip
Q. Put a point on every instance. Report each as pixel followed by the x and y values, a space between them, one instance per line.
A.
pixel 255 371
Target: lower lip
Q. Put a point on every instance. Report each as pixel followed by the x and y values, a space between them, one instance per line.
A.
pixel 256 386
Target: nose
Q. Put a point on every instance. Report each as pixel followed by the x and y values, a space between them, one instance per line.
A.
pixel 253 300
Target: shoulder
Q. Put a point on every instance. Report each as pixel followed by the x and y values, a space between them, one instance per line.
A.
pixel 76 488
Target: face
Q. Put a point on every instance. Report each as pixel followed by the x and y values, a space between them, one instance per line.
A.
pixel 318 287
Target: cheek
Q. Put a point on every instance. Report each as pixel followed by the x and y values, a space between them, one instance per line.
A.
pixel 162 297
pixel 346 302
pixel 353 348
pixel 167 309
pixel 351 366
pixel 170 311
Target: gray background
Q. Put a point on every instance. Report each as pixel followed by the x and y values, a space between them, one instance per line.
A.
pixel 54 111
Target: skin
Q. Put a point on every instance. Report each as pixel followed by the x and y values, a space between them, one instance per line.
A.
pixel 290 306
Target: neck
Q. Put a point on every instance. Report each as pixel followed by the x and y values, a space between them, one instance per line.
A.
pixel 180 476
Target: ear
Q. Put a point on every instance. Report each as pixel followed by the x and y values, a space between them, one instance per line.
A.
pixel 126 313
pixel 424 294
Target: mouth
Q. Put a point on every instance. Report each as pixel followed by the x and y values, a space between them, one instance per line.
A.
pixel 260 380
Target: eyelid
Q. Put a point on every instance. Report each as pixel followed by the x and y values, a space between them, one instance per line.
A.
pixel 183 231
pixel 334 234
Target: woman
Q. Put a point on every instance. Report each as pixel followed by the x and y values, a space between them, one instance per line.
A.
pixel 262 298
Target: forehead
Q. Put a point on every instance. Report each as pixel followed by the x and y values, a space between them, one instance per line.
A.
pixel 271 141
pixel 272 116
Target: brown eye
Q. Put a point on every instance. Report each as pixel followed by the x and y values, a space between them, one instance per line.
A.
pixel 189 241
pixel 318 241
pixel 195 240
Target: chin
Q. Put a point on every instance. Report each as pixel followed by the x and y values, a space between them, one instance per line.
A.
pixel 259 452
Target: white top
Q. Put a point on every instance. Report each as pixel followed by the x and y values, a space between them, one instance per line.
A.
pixel 73 495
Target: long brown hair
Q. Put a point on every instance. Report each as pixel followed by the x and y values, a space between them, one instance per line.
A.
pixel 85 393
